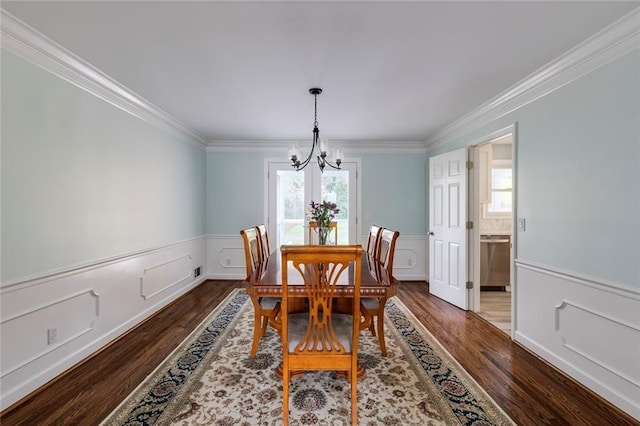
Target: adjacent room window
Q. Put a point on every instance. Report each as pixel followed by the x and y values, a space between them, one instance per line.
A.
pixel 501 193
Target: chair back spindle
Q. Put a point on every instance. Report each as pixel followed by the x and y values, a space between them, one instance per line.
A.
pixel 252 249
pixel 386 249
pixel 373 240
pixel 264 241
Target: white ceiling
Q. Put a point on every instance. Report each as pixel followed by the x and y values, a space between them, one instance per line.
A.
pixel 390 71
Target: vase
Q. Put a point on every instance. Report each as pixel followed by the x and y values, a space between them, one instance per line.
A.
pixel 323 234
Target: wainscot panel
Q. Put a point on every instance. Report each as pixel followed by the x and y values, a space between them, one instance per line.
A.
pixel 225 258
pixel 588 328
pixel 52 322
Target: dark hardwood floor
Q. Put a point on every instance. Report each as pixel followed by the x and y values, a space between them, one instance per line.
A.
pixel 528 390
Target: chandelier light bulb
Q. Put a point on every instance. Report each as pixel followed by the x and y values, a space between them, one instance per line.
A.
pixel 293 152
pixel 323 147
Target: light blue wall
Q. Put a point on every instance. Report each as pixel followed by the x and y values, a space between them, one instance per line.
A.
pixel 235 191
pixel 393 191
pixel 83 180
pixel 578 174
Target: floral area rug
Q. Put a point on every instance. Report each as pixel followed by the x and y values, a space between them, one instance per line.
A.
pixel 210 380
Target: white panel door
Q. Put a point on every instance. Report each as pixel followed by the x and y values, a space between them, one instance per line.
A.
pixel 447 227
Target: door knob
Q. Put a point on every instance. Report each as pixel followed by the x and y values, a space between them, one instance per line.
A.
pixel 430 234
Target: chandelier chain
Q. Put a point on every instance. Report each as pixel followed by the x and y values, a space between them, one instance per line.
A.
pixel 315 109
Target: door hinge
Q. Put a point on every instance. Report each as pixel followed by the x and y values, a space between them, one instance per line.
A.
pixel 469 285
pixel 469 165
pixel 469 225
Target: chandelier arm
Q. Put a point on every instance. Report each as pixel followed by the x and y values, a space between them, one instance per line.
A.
pixel 321 163
pixel 337 166
pixel 303 164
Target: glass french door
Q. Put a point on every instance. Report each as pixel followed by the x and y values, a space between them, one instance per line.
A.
pixel 289 195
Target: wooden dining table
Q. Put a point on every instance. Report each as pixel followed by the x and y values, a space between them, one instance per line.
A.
pixel 266 281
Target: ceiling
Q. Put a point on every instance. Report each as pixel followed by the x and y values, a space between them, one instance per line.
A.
pixel 390 71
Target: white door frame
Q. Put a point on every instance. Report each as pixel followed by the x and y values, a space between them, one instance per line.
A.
pixel 474 216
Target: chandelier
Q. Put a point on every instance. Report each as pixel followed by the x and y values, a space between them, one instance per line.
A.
pixel 320 144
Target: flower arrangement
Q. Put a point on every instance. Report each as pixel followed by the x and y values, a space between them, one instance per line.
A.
pixel 323 213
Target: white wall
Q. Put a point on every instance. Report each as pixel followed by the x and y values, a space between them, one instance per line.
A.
pixel 577 268
pixel 225 257
pixel 587 327
pixel 393 195
pixel 88 307
pixel 102 219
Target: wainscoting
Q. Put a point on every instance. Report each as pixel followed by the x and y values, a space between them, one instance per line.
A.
pixel 225 259
pixel 588 328
pixel 49 323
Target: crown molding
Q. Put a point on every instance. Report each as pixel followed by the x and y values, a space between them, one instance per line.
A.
pixel 19 38
pixel 609 44
pixel 347 146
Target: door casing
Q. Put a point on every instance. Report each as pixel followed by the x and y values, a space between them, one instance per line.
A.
pixel 475 215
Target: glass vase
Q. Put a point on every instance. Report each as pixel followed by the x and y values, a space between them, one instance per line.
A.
pixel 323 235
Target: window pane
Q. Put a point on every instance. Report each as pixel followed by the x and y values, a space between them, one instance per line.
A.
pixel 501 178
pixel 291 209
pixel 500 202
pixel 335 188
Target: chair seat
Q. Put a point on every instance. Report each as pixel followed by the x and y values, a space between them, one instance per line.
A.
pixel 371 303
pixel 269 302
pixel 342 326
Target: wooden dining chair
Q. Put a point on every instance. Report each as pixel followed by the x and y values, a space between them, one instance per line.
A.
pixel 264 306
pixel 383 264
pixel 373 240
pixel 333 228
pixel 320 339
pixel 252 248
pixel 264 241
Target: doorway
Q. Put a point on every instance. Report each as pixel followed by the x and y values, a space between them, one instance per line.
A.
pixel 289 193
pixel 493 210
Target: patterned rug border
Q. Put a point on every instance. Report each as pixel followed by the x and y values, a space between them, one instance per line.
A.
pixel 399 321
pixel 494 412
pixel 118 415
